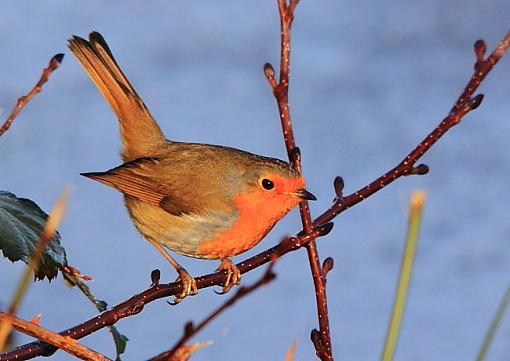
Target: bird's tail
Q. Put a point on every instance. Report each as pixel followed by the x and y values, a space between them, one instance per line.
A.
pixel 139 131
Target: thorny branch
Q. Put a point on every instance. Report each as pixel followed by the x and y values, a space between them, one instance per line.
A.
pixel 191 330
pixel 321 338
pixel 135 304
pixel 52 66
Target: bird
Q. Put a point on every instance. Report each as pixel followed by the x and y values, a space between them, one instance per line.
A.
pixel 198 200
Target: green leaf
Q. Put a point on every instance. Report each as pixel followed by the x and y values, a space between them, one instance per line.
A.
pixel 119 339
pixel 120 342
pixel 21 224
pixel 74 281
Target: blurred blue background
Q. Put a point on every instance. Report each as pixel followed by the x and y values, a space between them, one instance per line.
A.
pixel 369 80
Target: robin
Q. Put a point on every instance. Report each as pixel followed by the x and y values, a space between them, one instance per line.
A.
pixel 199 200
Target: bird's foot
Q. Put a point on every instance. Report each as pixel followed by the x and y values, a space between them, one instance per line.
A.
pixel 189 286
pixel 233 275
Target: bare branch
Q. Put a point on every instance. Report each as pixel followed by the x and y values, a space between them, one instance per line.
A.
pixel 191 330
pixel 67 344
pixel 52 66
pixel 280 91
pixel 464 104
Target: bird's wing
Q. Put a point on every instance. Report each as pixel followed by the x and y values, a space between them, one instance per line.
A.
pixel 133 179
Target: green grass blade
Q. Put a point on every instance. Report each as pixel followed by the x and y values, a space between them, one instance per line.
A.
pixel 415 214
pixel 489 335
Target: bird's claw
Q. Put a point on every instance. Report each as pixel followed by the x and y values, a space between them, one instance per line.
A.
pixel 233 275
pixel 189 286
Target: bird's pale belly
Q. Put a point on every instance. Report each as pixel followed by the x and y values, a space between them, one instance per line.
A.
pixel 212 235
pixel 182 234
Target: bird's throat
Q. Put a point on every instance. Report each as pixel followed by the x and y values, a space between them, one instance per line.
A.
pixel 257 216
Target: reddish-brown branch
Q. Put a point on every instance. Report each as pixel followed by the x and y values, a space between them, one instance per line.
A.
pixel 52 66
pixel 190 330
pixel 135 304
pixel 280 90
pixel 464 104
pixel 67 344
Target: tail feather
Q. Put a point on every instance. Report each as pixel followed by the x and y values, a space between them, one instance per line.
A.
pixel 138 130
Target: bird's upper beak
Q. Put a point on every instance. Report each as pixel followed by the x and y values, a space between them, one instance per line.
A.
pixel 304 194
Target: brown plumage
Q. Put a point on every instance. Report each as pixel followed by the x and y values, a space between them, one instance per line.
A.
pixel 200 200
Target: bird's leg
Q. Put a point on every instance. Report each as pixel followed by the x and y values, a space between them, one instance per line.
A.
pixel 189 285
pixel 233 274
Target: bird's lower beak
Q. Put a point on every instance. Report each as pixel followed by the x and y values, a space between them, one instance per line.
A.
pixel 304 194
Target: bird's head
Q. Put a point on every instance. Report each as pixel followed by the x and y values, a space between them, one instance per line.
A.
pixel 271 188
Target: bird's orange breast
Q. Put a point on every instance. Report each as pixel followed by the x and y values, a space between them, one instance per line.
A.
pixel 257 216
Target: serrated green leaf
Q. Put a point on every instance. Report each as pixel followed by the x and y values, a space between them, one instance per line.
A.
pixel 21 224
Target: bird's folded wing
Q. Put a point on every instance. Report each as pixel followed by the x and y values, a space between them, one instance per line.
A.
pixel 132 179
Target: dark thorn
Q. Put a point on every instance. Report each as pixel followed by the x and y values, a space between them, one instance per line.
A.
pixel 476 101
pixel 480 49
pixel 188 328
pixel 327 266
pixel 420 169
pixel 155 276
pixel 316 339
pixel 220 292
pixel 339 184
pixel 324 228
pixel 268 71
pixel 295 155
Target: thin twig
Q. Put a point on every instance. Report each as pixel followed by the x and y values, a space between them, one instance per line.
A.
pixel 464 104
pixel 280 90
pixel 67 344
pixel 52 66
pixel 191 330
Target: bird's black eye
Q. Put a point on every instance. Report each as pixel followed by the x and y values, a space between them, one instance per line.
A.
pixel 267 184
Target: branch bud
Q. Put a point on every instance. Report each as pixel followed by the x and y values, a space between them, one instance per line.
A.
pixel 316 339
pixel 155 276
pixel 476 101
pixel 269 71
pixel 189 328
pixel 420 169
pixel 339 184
pixel 480 49
pixel 327 266
pixel 324 229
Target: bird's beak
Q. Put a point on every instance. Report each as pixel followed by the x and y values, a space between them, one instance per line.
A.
pixel 304 194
